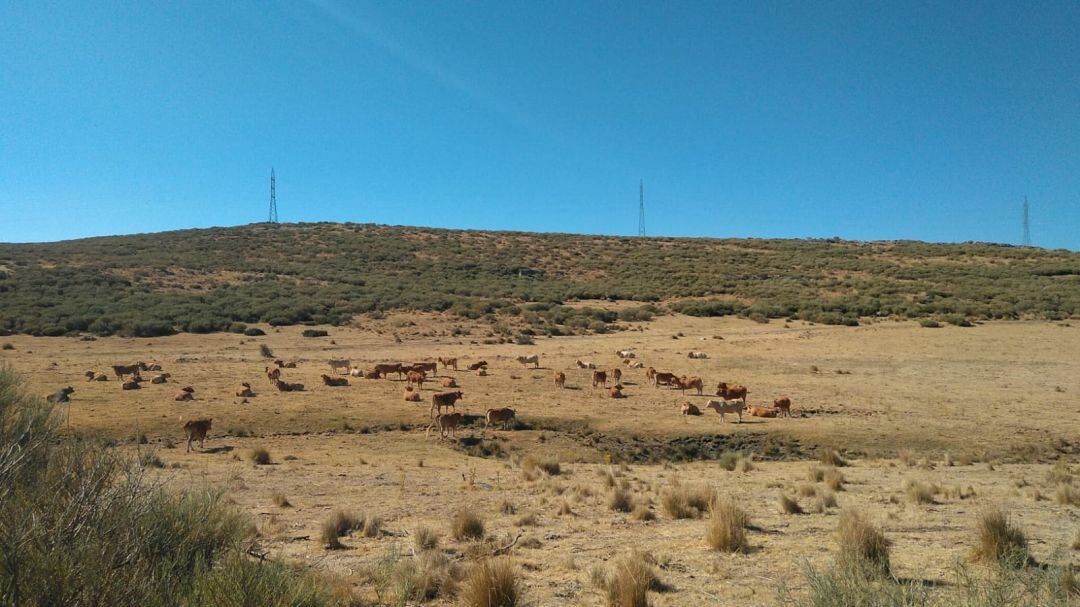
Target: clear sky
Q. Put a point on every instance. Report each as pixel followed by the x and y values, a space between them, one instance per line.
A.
pixel 864 120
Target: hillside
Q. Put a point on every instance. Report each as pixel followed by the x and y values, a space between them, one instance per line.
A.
pixel 217 279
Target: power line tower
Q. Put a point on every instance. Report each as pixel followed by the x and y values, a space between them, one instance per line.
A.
pixel 1027 225
pixel 641 209
pixel 273 198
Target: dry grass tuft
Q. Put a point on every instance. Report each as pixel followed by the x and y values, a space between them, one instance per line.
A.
pixel 466 525
pixel 834 479
pixel 628 581
pixel 824 501
pixel 526 520
pixel 1060 474
pixel 998 541
pixel 830 457
pixel 727 527
pixel 564 509
pixel 815 474
pixel 425 538
pixel 534 467
pixel 492 583
pixel 790 506
pixel 372 526
pixel 919 492
pixel 686 501
pixel 906 457
pixel 863 548
pixel 807 490
pixel 280 500
pixel 619 500
pixel 507 507
pixel 339 524
pixel 1067 495
pixel 1076 540
pixel 259 456
pixel 642 511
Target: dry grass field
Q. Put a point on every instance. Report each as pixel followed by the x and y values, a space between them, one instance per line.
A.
pixel 937 426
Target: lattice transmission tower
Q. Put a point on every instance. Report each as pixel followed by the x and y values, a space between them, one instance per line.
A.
pixel 641 209
pixel 1027 225
pixel 273 198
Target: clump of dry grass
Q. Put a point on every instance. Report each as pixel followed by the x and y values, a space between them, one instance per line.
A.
pixel 280 500
pixel 830 457
pixel 727 527
pixel 628 581
pixel 998 541
pixel 424 577
pixel 790 506
pixel 619 500
pixel 947 461
pixel 686 501
pixel 372 526
pixel 863 548
pixel 815 474
pixel 919 492
pixel 425 538
pixel 534 467
pixel 807 490
pixel 564 509
pixel 824 501
pixel 492 583
pixel 906 457
pixel 1067 495
pixel 834 479
pixel 642 511
pixel 259 456
pixel 466 525
pixel 1059 474
pixel 1076 540
pixel 339 524
pixel 507 507
pixel 526 520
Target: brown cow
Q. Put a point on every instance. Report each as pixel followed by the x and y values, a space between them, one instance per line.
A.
pixel 449 383
pixel 478 365
pixel 599 378
pixel 160 378
pixel 664 379
pixel 448 362
pixel 416 377
pixel 334 381
pixel 690 409
pixel 502 416
pixel 685 383
pixel 386 369
pixel 445 400
pixel 184 395
pixel 122 370
pixel 131 384
pixel 290 365
pixel 245 391
pixel 762 412
pixel 61 395
pixel 726 406
pixel 273 374
pixel 560 379
pixel 372 375
pixel 616 375
pixel 650 373
pixel 783 406
pixel 411 395
pixel 447 422
pixel 283 386
pixel 196 430
pixel 425 368
pixel 615 391
pixel 731 392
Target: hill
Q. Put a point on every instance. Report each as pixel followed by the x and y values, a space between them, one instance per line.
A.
pixel 221 278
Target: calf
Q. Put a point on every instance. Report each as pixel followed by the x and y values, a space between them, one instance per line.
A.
pixel 448 363
pixel 131 384
pixel 690 409
pixel 449 383
pixel 616 375
pixel 447 422
pixel 334 381
pixel 273 374
pixel 650 374
pixel 196 430
pixel 411 396
pixel 502 416
pixel 476 366
pixel 184 395
pixel 599 378
pixel 245 391
pixel 445 400
pixel 731 392
pixel 762 412
pixel 356 372
pixel 560 379
pixel 726 406
pixel 783 406
pixel 532 359
pixel 61 395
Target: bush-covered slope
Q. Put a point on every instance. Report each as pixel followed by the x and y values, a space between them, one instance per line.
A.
pixel 215 279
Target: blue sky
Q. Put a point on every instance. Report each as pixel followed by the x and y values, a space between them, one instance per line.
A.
pixel 864 120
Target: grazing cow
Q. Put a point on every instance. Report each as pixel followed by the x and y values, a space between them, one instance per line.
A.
pixel 599 378
pixel 697 355
pixel 356 372
pixel 61 395
pixel 581 364
pixel 153 367
pixel 385 369
pixel 283 386
pixel 476 366
pixel 731 392
pixel 411 395
pixel 686 383
pixel 432 368
pixel 131 384
pixel 447 422
pixel 448 362
pixel 616 375
pixel 625 353
pixel 762 412
pixel 532 359
pixel 122 370
pixel 334 382
pixel 690 409
pixel 416 377
pixel 650 373
pixel 664 379
pixel 445 400
pixel 783 406
pixel 245 391
pixel 160 378
pixel 502 416
pixel 184 395
pixel 449 383
pixel 726 406
pixel 273 374
pixel 615 391
pixel 560 379
pixel 196 430
pixel 339 363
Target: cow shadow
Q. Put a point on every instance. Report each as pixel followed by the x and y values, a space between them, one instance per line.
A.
pixel 221 449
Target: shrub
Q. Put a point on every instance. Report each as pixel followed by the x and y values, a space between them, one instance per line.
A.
pixel 425 538
pixel 863 548
pixel 425 577
pixel 340 523
pixel 526 520
pixel 619 500
pixel 466 525
pixel 815 474
pixel 790 506
pixel 919 492
pixel 259 456
pixel 998 541
pixel 314 333
pixel 830 457
pixel 728 460
pixel 254 332
pixel 628 581
pixel 492 583
pixel 727 527
pixel 531 466
pixel 564 509
pixel 683 501
pixel 265 351
pixel 834 479
pixel 1067 495
pixel 151 460
pixel 929 323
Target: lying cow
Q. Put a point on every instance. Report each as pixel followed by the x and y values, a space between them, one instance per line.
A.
pixel 584 364
pixel 284 386
pixel 690 409
pixel 762 412
pixel 476 366
pixel 411 396
pixel 664 379
pixel 245 391
pixel 697 355
pixel 160 378
pixel 616 391
pixel 624 353
pixel 726 406
pixel 184 395
pixel 502 416
pixel 61 395
pixel 334 381
pixel 449 382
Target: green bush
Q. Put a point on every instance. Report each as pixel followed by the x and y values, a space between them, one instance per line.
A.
pixel 314 333
pixel 254 332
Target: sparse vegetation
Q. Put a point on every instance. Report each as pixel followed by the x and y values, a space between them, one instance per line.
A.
pixel 830 457
pixel 425 538
pixel 492 583
pixel 340 524
pixel 619 500
pixel 7 346
pixel 259 456
pixel 466 525
pixel 726 531
pixel 686 501
pixel 533 467
pixel 919 492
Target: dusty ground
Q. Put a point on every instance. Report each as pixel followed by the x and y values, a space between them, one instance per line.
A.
pixel 999 391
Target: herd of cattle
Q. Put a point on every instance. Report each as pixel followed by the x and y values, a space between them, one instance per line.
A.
pixel 443 412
